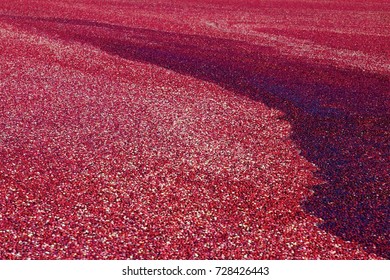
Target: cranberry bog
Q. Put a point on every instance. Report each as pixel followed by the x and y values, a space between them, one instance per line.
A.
pixel 185 129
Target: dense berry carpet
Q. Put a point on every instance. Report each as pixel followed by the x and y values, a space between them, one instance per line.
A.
pixel 189 129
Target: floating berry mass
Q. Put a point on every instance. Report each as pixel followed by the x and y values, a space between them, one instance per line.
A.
pixel 194 129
